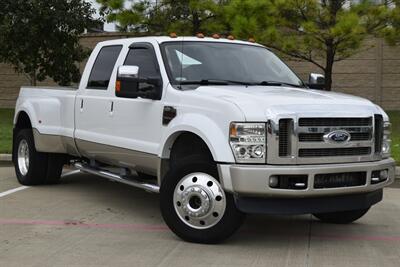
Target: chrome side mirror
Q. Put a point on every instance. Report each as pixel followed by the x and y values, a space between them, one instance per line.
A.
pixel 126 72
pixel 130 85
pixel 316 81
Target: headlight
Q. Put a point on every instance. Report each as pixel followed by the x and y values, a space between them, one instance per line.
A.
pixel 386 140
pixel 247 141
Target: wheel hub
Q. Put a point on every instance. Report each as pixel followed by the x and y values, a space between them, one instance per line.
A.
pixel 23 157
pixel 199 200
pixel 195 201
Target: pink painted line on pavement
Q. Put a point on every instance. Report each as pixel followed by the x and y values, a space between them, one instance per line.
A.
pixel 141 227
pixel 358 237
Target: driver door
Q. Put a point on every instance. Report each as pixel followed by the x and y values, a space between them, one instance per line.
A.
pixel 136 122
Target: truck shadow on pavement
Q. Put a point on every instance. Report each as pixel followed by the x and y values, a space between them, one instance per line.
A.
pixel 128 203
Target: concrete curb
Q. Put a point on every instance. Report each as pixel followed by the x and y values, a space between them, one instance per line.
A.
pixel 7 158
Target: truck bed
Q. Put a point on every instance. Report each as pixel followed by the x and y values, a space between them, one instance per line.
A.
pixel 51 110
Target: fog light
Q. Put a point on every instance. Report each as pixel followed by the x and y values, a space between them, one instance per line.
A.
pixel 379 176
pixel 273 181
pixel 384 174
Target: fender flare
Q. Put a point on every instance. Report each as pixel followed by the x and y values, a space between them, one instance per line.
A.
pixel 35 107
pixel 29 111
pixel 215 138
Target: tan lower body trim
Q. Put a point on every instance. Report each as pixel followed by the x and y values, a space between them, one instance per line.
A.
pixel 115 156
pixel 121 157
pixel 54 143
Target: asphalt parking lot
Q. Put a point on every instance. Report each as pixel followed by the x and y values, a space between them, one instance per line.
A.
pixel 89 221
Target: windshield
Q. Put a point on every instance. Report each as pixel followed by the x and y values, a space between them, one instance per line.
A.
pixel 223 63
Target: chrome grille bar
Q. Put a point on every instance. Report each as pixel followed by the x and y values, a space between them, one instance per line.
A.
pixel 335 121
pixel 378 120
pixel 326 129
pixel 284 137
pixel 334 152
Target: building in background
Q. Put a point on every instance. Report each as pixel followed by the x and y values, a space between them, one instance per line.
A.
pixel 108 27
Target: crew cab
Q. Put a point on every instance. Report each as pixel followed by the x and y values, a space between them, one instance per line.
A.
pixel 219 127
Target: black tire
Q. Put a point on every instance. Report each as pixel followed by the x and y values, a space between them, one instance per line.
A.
pixel 54 168
pixel 230 221
pixel 37 171
pixel 341 217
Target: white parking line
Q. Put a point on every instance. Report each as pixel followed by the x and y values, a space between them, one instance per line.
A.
pixel 9 192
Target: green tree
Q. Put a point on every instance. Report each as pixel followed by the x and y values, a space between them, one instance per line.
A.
pixel 136 18
pixel 41 38
pixel 392 31
pixel 193 16
pixel 164 16
pixel 318 31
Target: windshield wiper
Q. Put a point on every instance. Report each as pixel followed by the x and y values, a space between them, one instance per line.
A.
pixel 276 83
pixel 213 82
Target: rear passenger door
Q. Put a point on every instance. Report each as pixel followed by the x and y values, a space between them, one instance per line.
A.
pixel 93 104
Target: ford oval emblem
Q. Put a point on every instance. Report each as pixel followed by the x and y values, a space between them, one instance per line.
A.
pixel 339 136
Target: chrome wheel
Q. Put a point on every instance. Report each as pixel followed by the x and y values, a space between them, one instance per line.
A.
pixel 23 157
pixel 199 200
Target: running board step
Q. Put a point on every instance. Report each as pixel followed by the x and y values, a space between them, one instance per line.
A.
pixel 115 177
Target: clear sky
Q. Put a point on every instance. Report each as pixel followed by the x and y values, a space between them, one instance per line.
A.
pixel 110 27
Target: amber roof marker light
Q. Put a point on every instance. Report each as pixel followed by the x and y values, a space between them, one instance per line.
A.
pixel 173 35
pixel 231 37
pixel 216 36
pixel 252 40
pixel 200 35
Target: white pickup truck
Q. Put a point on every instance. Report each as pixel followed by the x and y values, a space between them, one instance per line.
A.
pixel 218 127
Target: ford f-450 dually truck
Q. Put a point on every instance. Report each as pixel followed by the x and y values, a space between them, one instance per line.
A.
pixel 218 127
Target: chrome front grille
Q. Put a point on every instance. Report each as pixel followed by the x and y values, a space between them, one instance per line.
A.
pixel 306 140
pixel 359 144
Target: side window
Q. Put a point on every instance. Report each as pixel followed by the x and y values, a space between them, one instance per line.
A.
pixel 144 57
pixel 103 66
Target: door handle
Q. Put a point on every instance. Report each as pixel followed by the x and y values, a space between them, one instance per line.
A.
pixel 81 104
pixel 111 108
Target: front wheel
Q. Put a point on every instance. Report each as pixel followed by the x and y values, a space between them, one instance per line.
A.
pixel 341 217
pixel 194 204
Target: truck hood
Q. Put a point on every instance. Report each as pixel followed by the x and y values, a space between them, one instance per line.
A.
pixel 261 102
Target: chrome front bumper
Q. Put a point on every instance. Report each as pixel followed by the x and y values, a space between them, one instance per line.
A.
pixel 253 180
